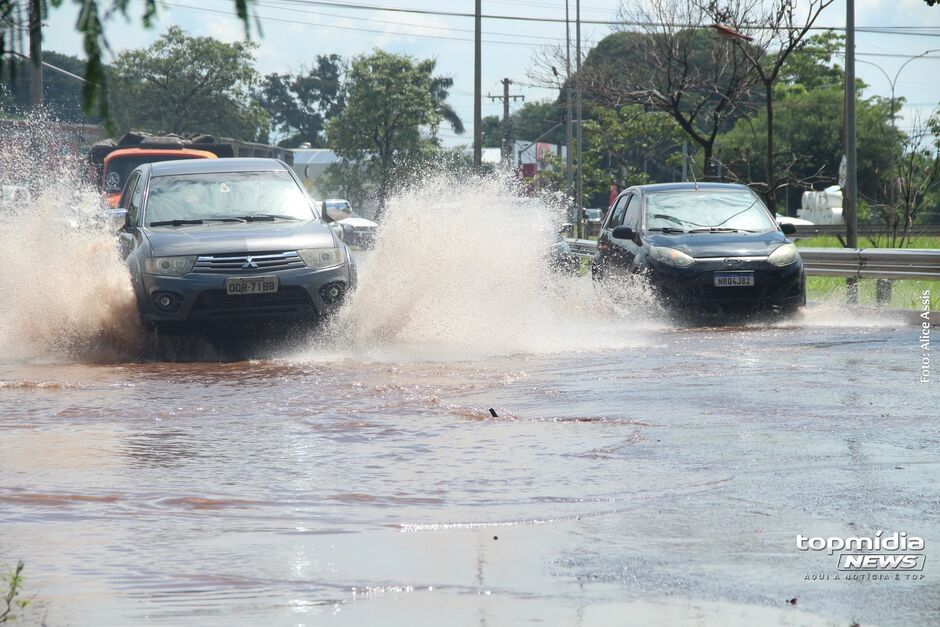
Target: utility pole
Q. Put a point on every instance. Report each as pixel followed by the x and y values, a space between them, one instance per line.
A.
pixel 477 88
pixel 851 179
pixel 579 191
pixel 35 53
pixel 568 154
pixel 507 123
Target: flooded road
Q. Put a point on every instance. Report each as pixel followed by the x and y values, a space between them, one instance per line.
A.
pixel 663 478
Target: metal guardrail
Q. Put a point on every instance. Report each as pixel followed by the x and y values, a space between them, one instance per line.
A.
pixel 866 263
pixel 873 263
pixel 582 247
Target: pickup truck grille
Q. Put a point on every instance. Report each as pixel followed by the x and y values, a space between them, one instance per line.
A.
pixel 254 262
pixel 290 301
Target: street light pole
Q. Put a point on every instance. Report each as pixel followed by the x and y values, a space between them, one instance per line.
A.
pixel 35 53
pixel 579 190
pixel 568 154
pixel 851 179
pixel 477 88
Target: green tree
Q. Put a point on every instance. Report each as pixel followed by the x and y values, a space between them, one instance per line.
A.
pixel 14 13
pixel 391 117
pixel 62 95
pixel 620 145
pixel 492 131
pixel 184 84
pixel 809 132
pixel 300 104
pixel 690 73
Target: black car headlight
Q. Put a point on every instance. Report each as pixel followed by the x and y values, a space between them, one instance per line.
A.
pixel 671 257
pixel 784 255
pixel 169 266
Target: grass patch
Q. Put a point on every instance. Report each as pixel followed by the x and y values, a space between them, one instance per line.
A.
pixel 905 294
pixel 831 241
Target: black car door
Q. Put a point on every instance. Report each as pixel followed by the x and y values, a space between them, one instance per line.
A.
pixel 619 253
pixel 630 247
pixel 605 251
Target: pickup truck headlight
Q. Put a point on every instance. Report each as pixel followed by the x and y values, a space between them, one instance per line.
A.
pixel 169 266
pixel 784 255
pixel 671 256
pixel 321 258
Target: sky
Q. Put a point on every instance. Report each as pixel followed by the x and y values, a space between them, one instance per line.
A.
pixel 294 32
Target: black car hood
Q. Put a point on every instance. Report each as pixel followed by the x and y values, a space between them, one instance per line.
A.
pixel 720 244
pixel 225 237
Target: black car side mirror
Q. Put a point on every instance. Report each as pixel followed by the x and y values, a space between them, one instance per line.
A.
pixel 623 232
pixel 787 228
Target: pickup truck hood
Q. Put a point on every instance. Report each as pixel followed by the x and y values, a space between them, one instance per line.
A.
pixel 226 237
pixel 720 244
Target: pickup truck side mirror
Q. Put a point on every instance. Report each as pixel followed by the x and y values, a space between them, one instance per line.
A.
pixel 117 219
pixel 324 214
pixel 787 228
pixel 623 232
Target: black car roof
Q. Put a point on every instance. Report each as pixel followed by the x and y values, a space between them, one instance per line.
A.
pixel 688 186
pixel 199 166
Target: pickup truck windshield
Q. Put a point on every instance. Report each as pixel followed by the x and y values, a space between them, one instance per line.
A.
pixel 221 195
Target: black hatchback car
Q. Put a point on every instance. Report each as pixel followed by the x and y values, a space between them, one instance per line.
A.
pixel 702 247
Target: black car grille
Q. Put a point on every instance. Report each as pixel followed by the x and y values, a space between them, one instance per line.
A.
pixel 287 302
pixel 245 262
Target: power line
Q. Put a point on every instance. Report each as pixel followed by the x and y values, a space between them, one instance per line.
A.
pixel 907 30
pixel 352 28
pixel 274 4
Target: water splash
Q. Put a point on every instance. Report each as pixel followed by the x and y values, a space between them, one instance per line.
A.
pixel 65 290
pixel 462 269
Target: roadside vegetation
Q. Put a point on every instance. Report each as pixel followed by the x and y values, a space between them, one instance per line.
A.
pixel 905 294
pixel 12 586
pixel 662 101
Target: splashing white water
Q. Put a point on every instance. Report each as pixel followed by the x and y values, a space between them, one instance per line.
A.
pixel 462 270
pixel 64 288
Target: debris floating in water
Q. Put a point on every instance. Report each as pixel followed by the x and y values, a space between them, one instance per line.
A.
pixel 493 413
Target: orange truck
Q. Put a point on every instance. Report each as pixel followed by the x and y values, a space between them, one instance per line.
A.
pixel 112 161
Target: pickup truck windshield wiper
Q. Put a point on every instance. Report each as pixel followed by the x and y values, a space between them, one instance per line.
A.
pixel 667 229
pixel 181 222
pixel 265 217
pixel 721 229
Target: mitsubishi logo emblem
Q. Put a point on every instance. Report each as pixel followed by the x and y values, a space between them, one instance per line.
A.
pixel 249 264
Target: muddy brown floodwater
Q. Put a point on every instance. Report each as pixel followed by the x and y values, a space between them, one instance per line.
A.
pixel 662 480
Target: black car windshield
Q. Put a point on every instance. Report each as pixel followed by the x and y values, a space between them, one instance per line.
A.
pixel 220 195
pixel 705 209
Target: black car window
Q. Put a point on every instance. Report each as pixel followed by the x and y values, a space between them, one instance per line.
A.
pixel 632 216
pixel 619 208
pixel 128 190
